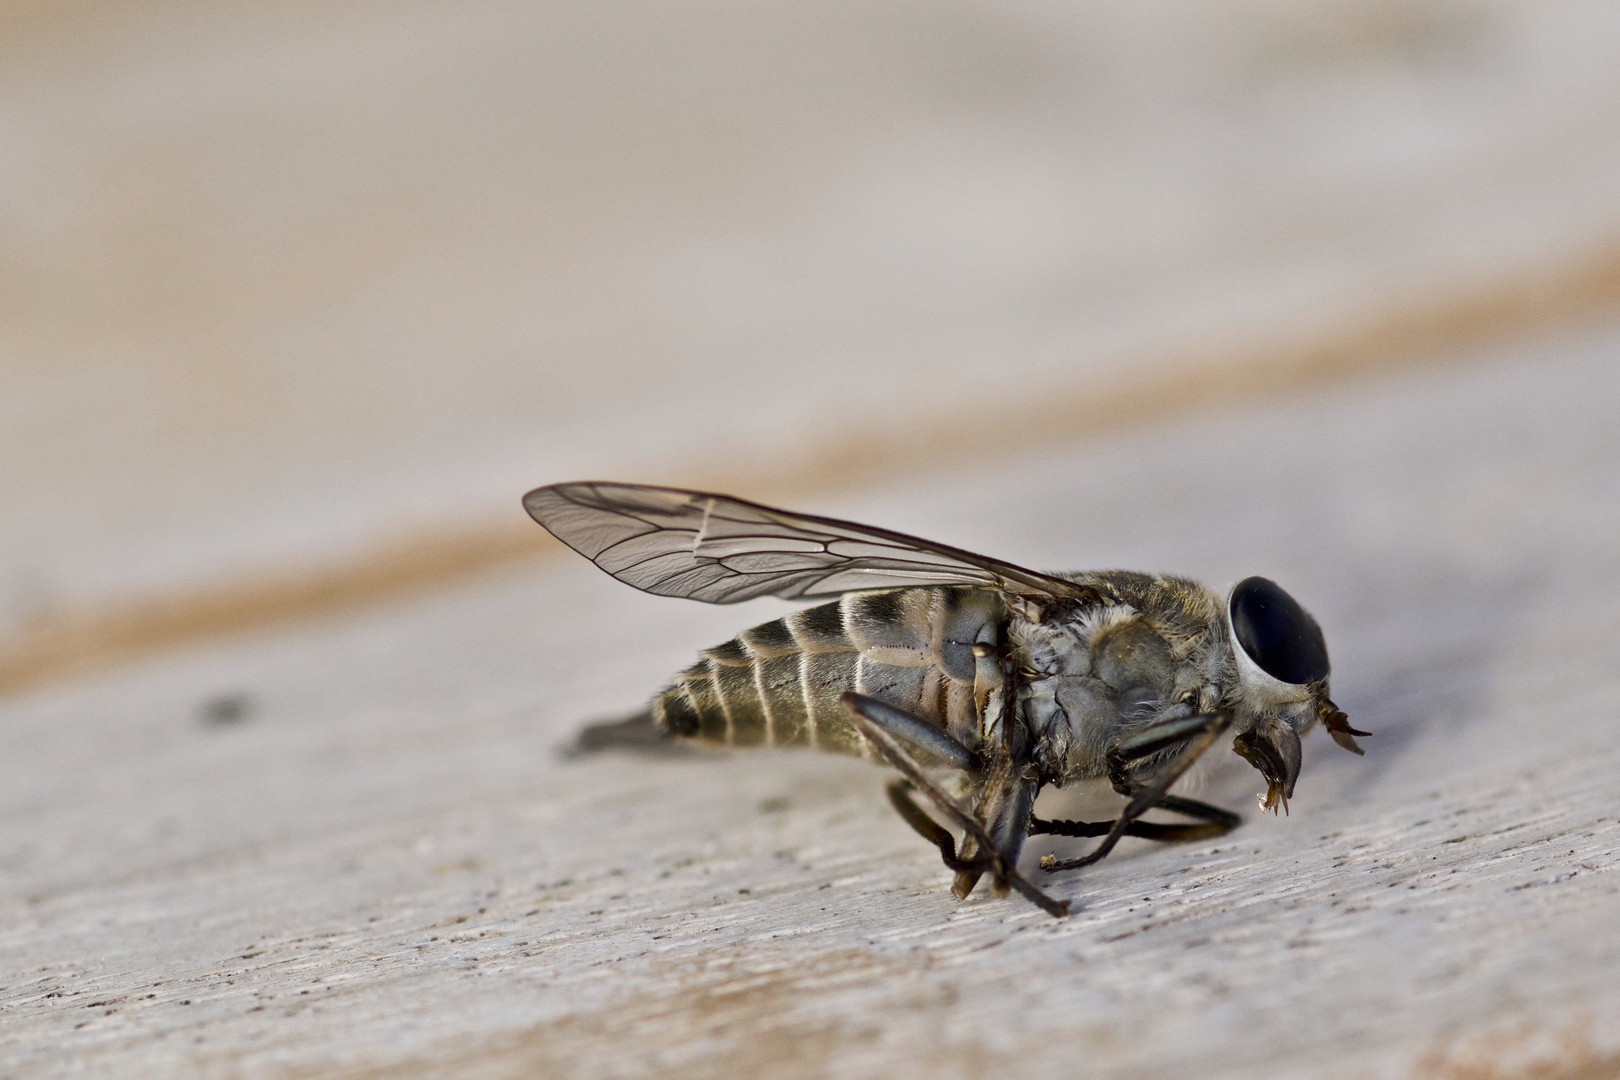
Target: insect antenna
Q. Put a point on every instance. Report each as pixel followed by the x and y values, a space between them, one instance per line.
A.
pixel 1338 726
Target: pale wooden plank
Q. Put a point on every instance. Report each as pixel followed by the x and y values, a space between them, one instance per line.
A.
pixel 382 869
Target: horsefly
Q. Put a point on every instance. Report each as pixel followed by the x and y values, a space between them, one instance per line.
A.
pixel 928 657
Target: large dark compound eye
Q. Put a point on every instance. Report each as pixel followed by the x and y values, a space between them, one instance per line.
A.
pixel 1276 632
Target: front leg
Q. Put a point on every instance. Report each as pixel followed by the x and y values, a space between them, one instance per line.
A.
pixel 1202 730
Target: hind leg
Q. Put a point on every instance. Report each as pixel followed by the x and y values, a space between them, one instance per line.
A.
pixel 929 829
pixel 995 858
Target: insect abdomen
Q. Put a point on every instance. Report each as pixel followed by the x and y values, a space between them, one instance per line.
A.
pixel 778 684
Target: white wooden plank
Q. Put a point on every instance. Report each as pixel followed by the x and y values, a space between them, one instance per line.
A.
pixel 383 868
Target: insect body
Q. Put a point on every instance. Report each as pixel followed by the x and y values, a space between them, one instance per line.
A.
pixel 934 657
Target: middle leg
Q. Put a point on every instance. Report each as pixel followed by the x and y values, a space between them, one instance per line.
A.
pixel 1200 732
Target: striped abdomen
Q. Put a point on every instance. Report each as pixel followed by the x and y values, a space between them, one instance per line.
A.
pixel 930 651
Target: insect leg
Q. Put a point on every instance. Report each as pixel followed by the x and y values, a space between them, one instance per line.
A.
pixel 1011 825
pixel 1193 808
pixel 1006 790
pixel 929 829
pixel 969 864
pixel 1145 830
pixel 918 734
pixel 1006 800
pixel 988 807
pixel 1218 822
pixel 1149 741
pixel 890 747
pixel 1152 794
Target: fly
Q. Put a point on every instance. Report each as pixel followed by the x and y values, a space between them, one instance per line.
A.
pixel 926 657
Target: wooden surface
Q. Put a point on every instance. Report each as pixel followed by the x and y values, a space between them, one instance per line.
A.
pixel 349 848
pixel 296 299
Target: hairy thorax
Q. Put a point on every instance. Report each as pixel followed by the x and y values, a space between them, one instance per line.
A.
pixel 1093 674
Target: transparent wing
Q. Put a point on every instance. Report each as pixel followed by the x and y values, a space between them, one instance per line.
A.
pixel 723 550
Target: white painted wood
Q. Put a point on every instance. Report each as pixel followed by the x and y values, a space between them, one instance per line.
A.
pixel 383 869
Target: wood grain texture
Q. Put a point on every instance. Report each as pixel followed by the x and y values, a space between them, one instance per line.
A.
pixel 376 864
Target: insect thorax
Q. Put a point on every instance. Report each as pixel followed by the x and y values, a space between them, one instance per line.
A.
pixel 1096 671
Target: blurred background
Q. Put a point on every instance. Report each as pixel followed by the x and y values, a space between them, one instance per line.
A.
pixel 293 290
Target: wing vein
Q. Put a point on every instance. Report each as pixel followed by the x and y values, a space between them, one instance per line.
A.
pixel 722 550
